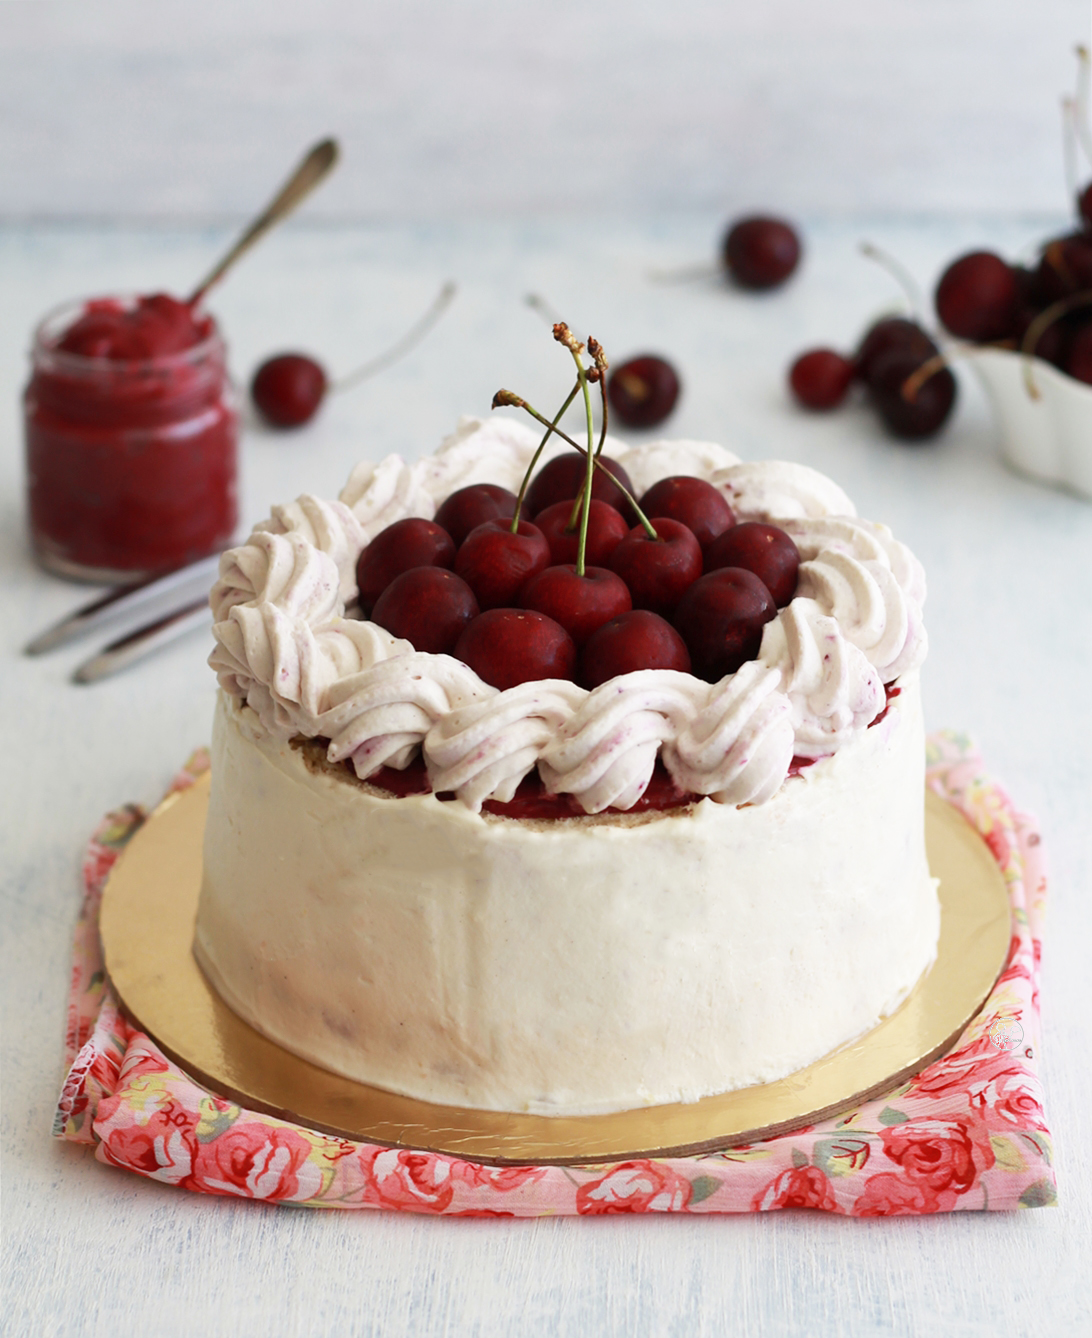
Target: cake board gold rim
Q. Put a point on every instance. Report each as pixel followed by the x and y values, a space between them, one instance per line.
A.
pixel 147 920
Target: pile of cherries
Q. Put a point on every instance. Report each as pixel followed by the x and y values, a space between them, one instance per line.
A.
pixel 1045 310
pixel 506 598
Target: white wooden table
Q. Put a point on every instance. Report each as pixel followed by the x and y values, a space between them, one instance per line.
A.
pixel 90 1250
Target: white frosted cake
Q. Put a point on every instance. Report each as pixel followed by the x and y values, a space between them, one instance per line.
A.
pixel 610 958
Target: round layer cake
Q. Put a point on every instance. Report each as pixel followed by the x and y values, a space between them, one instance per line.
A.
pixel 610 958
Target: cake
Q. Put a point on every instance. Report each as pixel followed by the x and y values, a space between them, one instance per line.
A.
pixel 432 944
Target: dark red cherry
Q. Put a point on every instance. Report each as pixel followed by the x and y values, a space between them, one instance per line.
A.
pixel 893 332
pixel 910 419
pixel 761 252
pixel 1084 207
pixel 643 391
pixel 1065 267
pixel 606 530
pixel 696 504
pixel 562 479
pixel 976 297
pixel 1078 361
pixel 428 606
pixel 581 604
pixel 470 507
pixel 407 543
pixel 658 571
pixel 496 563
pixel 765 551
pixel 820 378
pixel 721 618
pixel 632 641
pixel 506 647
pixel 288 389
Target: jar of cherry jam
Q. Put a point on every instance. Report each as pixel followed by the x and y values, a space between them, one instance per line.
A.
pixel 131 439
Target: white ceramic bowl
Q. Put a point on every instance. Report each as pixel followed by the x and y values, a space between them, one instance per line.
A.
pixel 1049 438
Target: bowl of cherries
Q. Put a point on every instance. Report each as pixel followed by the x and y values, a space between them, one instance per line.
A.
pixel 575 577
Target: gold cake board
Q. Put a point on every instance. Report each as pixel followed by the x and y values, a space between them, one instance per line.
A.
pixel 147 921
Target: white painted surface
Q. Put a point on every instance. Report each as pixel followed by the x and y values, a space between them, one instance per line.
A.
pixel 92 1251
pixel 194 108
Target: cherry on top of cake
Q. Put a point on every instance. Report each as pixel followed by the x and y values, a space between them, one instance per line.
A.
pixel 574 577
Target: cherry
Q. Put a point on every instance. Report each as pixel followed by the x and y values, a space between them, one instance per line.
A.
pixel 721 618
pixel 562 480
pixel 495 563
pixel 643 391
pixel 506 647
pixel 1084 207
pixel 765 551
pixel 696 504
pixel 820 378
pixel 658 571
pixel 581 604
pixel 636 640
pixel 407 543
pixel 976 297
pixel 910 419
pixel 893 332
pixel 1065 267
pixel 288 389
pixel 606 530
pixel 467 508
pixel 761 252
pixel 1078 361
pixel 427 606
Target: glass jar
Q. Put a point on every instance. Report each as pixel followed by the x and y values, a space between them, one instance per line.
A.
pixel 131 464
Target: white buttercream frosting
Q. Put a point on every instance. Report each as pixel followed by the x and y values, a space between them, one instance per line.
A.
pixel 286 648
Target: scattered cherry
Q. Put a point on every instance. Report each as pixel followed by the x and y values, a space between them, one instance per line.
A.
pixel 496 563
pixel 1078 361
pixel 581 604
pixel 692 501
pixel 658 571
pixel 976 297
pixel 1084 207
pixel 632 641
pixel 405 544
pixel 765 551
pixel 288 389
pixel 721 618
pixel 643 391
pixel 562 480
pixel 469 507
pixel 506 647
pixel 427 606
pixel 606 530
pixel 893 332
pixel 761 252
pixel 1065 267
pixel 821 377
pixel 923 415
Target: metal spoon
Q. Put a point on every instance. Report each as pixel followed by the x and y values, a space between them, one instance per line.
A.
pixel 299 185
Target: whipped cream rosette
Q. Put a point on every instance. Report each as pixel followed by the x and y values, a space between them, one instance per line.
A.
pixel 286 647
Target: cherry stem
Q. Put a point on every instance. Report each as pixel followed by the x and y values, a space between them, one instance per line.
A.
pixel 589 473
pixel 1069 147
pixel 506 398
pixel 397 350
pixel 1082 120
pixel 551 428
pixel 595 348
pixel 1037 328
pixel 898 272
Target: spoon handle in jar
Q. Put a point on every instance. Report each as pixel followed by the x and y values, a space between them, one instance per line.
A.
pixel 299 185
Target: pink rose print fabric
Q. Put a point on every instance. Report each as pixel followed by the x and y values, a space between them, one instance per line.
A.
pixel 968 1133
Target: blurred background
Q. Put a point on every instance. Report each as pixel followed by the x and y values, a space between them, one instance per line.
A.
pixel 124 110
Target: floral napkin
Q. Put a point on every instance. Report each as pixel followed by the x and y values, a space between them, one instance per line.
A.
pixel 968 1133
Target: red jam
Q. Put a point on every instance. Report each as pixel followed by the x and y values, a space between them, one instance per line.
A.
pixel 531 799
pixel 131 437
